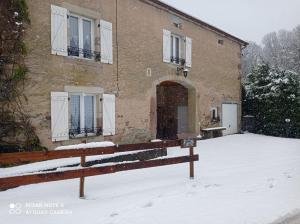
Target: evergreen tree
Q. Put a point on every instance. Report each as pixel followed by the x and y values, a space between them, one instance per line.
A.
pixel 272 95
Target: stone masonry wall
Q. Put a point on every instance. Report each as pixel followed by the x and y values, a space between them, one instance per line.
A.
pixel 215 73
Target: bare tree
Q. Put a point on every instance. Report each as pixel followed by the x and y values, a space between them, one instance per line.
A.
pixel 252 55
pixel 279 49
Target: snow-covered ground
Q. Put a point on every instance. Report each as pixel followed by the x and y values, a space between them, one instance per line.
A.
pixel 240 179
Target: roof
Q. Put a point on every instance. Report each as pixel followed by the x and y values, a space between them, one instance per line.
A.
pixel 202 23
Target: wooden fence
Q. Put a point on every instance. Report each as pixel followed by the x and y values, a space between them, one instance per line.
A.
pixel 21 157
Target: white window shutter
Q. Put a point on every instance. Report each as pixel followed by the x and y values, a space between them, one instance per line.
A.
pixel 59 26
pixel 106 42
pixel 188 52
pixel 59 116
pixel 109 114
pixel 166 46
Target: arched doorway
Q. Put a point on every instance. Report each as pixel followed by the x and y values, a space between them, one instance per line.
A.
pixel 172 100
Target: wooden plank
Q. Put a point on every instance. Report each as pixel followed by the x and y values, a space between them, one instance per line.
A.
pixel 21 157
pixel 149 145
pixel 9 182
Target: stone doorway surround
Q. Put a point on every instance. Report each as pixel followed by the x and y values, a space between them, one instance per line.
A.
pixel 192 103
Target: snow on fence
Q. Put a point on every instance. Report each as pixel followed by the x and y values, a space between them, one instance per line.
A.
pixel 17 158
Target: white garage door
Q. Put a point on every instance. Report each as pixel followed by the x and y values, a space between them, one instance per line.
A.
pixel 229 118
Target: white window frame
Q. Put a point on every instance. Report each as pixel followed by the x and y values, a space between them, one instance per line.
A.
pixel 82 113
pixel 173 46
pixel 80 33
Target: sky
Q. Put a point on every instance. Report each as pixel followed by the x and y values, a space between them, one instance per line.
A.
pixel 249 20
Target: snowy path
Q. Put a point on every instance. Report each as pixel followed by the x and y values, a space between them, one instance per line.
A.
pixel 240 179
pixel 293 218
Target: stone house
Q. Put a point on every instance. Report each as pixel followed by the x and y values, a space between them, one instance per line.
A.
pixel 127 71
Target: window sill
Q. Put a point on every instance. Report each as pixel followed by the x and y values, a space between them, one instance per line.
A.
pixel 177 62
pixel 84 135
pixel 81 58
pixel 172 63
pixel 83 61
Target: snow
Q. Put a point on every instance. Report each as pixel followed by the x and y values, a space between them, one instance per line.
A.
pixel 248 116
pixel 248 179
pixel 87 145
pixel 156 140
pixel 213 129
pixel 51 164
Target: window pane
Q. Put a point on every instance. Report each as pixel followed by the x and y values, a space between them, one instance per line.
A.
pixel 87 39
pixel 177 49
pixel 75 114
pixel 89 113
pixel 172 48
pixel 74 36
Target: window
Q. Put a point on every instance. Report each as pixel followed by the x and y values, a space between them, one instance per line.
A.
pixel 75 114
pixel 80 35
pixel 82 114
pixel 82 111
pixel 89 117
pixel 74 35
pixel 175 48
pixel 214 114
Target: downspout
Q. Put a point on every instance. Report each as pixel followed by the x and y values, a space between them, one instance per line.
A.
pixel 117 47
pixel 241 90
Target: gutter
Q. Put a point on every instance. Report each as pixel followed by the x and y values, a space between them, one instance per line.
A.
pixel 197 21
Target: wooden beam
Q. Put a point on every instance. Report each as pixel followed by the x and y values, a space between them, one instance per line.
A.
pixel 150 145
pixel 191 163
pixel 81 182
pixel 10 182
pixel 21 157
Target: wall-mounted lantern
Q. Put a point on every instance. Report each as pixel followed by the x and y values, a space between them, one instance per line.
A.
pixel 185 72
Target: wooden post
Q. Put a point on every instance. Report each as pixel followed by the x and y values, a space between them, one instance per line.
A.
pixel 191 162
pixel 81 186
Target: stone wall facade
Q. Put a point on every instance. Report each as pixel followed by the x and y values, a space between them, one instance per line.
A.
pixel 137 69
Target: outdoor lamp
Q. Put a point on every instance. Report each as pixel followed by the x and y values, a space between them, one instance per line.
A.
pixel 185 72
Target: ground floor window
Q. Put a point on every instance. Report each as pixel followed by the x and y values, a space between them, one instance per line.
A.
pixel 82 114
pixel 82 111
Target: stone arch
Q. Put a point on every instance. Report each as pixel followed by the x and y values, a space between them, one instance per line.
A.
pixel 192 102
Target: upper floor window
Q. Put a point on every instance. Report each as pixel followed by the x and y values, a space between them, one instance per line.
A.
pixel 74 35
pixel 175 48
pixel 81 36
pixel 220 41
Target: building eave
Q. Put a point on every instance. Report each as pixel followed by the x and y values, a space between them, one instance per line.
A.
pixel 198 21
